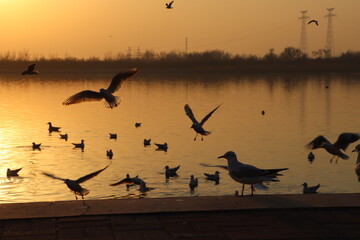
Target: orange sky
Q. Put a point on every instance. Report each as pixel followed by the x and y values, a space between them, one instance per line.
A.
pixel 96 27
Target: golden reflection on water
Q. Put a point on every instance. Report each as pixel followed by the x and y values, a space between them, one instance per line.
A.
pixel 297 108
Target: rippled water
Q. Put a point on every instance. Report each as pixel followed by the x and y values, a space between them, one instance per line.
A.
pixel 298 108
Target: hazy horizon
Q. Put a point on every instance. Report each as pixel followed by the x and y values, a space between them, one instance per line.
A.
pixel 96 28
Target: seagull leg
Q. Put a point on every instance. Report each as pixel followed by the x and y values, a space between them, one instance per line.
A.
pixel 332 159
pixel 202 139
pixel 336 160
pixel 195 137
pixel 252 189
pixel 76 197
pixel 242 191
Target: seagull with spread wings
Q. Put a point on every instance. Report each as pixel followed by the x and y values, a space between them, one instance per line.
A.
pixel 169 5
pixel 111 101
pixel 198 126
pixel 74 185
pixel 314 21
pixel 341 143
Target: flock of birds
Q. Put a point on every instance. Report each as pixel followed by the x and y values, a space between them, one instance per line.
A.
pixel 243 173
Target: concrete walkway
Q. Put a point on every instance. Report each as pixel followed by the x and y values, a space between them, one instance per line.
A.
pixel 318 216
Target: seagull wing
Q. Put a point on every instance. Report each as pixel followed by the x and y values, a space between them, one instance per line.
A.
pixel 317 142
pixel 83 96
pixel 208 115
pixel 171 3
pixel 123 181
pixel 31 67
pixel 119 78
pixel 190 114
pixel 345 139
pixel 53 176
pixel 89 176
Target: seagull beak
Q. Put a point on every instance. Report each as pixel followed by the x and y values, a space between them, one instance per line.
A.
pixel 222 156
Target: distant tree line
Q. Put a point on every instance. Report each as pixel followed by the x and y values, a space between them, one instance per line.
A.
pixel 290 59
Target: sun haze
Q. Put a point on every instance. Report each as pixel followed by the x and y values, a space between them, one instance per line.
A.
pixel 98 28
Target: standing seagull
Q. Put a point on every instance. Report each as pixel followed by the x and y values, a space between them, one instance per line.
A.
pixel 169 5
pixel 248 174
pixel 30 70
pixel 198 126
pixel 314 21
pixel 342 142
pixel 111 101
pixel 74 185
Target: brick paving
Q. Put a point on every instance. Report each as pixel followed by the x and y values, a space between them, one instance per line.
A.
pixel 330 223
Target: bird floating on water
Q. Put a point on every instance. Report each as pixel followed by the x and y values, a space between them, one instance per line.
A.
pixel 64 136
pixel 213 177
pixel 343 141
pixel 133 181
pixel 171 172
pixel 109 154
pixel 198 126
pixel 138 124
pixel 248 174
pixel 147 142
pixel 312 189
pixel 36 146
pixel 79 145
pixel 52 128
pixel 74 185
pixel 314 21
pixel 111 101
pixel 12 173
pixel 169 5
pixel 162 147
pixel 113 136
pixel 31 70
pixel 193 182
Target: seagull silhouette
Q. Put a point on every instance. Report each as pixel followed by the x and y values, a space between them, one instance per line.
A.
pixel 74 185
pixel 169 5
pixel 193 182
pixel 198 126
pixel 248 174
pixel 312 189
pixel 30 70
pixel 343 141
pixel 162 147
pixel 64 136
pixel 109 154
pixel 171 172
pixel 314 21
pixel 213 177
pixel 147 142
pixel 12 173
pixel 52 128
pixel 357 167
pixel 36 146
pixel 111 101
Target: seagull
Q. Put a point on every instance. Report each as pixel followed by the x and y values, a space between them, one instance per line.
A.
pixel 311 189
pixel 213 177
pixel 314 21
pixel 163 147
pixel 248 174
pixel 357 167
pixel 138 124
pixel 79 145
pixel 147 142
pixel 171 172
pixel 109 154
pixel 113 136
pixel 30 70
pixel 111 101
pixel 198 127
pixel 169 5
pixel 262 112
pixel 64 136
pixel 133 181
pixel 12 173
pixel 193 183
pixel 74 185
pixel 342 142
pixel 311 157
pixel 36 146
pixel 52 128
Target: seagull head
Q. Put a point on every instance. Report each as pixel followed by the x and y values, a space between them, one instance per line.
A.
pixel 357 148
pixel 102 90
pixel 166 167
pixel 217 173
pixel 229 155
pixel 304 184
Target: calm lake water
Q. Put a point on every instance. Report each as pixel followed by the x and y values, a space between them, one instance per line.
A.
pixel 298 108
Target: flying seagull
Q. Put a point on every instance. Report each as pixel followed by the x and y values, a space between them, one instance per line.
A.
pixel 111 101
pixel 30 70
pixel 314 21
pixel 342 142
pixel 74 185
pixel 198 126
pixel 169 5
pixel 248 174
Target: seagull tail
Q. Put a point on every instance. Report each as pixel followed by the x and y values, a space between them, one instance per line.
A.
pixel 260 186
